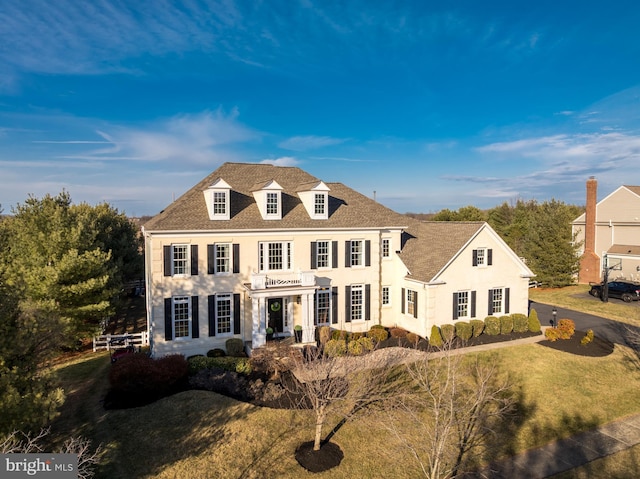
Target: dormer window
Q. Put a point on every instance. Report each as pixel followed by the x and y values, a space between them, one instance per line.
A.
pixel 315 198
pixel 320 203
pixel 272 204
pixel 217 197
pixel 268 196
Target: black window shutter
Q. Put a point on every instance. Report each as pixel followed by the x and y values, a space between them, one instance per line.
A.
pixel 402 302
pixel 211 259
pixel 473 304
pixel 315 309
pixel 334 305
pixel 367 302
pixel 236 258
pixel 455 305
pixel 314 255
pixel 211 303
pixel 236 313
pixel 367 253
pixel 194 259
pixel 474 262
pixel 347 304
pixel 168 319
pixel 490 310
pixel 489 257
pixel 195 320
pixel 347 254
pixel 334 254
pixel 415 304
pixel 506 300
pixel 166 256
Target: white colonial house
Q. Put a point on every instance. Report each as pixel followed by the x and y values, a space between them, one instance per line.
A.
pixel 256 246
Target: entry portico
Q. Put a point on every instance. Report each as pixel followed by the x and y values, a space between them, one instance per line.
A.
pixel 273 304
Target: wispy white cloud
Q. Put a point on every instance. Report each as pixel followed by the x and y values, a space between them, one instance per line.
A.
pixel 282 161
pixel 198 139
pixel 309 142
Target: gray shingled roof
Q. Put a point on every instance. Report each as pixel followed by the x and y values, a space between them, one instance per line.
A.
pixel 347 207
pixel 634 189
pixel 430 245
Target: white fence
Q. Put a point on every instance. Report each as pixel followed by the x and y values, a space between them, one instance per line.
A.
pixel 114 341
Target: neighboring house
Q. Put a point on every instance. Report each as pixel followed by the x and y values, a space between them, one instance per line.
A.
pixel 609 232
pixel 254 246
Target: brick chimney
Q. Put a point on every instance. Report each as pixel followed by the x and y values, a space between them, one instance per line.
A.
pixel 590 261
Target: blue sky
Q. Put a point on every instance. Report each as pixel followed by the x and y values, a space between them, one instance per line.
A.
pixel 430 104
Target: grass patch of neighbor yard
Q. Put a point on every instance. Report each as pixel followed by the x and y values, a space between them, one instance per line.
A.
pixel 200 434
pixel 578 298
pixel 622 465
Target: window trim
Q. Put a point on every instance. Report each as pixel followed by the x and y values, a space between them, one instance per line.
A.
pixel 357 288
pixel 358 254
pixel 322 204
pixel 229 248
pixel 467 303
pixel 224 204
pixel 272 199
pixel 385 248
pixel 264 256
pixel 386 290
pixel 186 260
pixel 219 298
pixel 176 300
pixel 329 307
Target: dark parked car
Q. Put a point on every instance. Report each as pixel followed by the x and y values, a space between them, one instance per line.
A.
pixel 627 291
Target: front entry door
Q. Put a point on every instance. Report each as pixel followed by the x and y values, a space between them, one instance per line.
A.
pixel 275 307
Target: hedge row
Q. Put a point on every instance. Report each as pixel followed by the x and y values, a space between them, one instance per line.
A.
pixel 492 326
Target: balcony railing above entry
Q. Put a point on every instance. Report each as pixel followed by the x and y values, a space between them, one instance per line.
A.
pixel 300 279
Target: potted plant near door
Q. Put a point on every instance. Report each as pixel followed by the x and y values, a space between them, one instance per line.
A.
pixel 297 331
pixel 269 334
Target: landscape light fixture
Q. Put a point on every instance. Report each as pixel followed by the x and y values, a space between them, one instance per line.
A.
pixel 554 312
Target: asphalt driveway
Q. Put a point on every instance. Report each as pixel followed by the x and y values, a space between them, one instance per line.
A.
pixel 609 329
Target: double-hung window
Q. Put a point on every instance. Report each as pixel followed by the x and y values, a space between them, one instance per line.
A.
pixel 181 317
pixel 411 302
pixel 224 316
pixel 386 247
pixel 357 253
pixel 323 306
pixel 498 301
pixel 180 259
pixel 322 254
pixel 386 295
pixel 463 305
pixel 482 257
pixel 222 258
pixel 357 302
pixel 272 204
pixel 275 256
pixel 319 204
pixel 219 203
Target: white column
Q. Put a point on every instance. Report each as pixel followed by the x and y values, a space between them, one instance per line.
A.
pixel 308 330
pixel 258 333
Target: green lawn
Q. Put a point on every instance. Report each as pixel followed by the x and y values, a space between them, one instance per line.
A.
pixel 202 434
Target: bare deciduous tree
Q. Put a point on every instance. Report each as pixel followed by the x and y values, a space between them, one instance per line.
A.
pixel 342 387
pixel 453 406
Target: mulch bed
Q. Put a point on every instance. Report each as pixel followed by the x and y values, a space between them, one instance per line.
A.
pixel 596 349
pixel 329 456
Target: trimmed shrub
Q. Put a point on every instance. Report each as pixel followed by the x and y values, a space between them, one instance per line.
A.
pixel 552 334
pixel 436 338
pixel 477 327
pixel 492 326
pixel 324 334
pixel 520 323
pixel 366 343
pixel 588 337
pixel 335 348
pixel 398 333
pixel 355 348
pixel 138 374
pixel 241 365
pixel 413 338
pixel 567 328
pixel 235 347
pixel 448 332
pixel 464 330
pixel 335 334
pixel 216 353
pixel 534 322
pixel 356 336
pixel 377 333
pixel 506 324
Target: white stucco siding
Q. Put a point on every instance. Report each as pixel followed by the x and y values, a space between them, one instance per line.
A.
pixel 506 271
